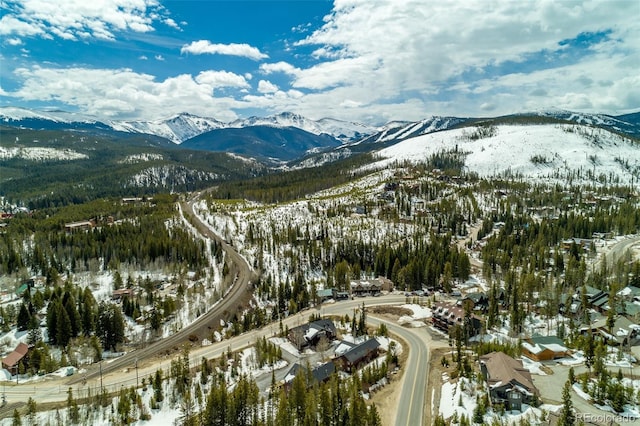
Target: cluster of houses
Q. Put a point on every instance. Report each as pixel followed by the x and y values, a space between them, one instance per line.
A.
pixel 348 356
pixel 357 288
pixel 509 383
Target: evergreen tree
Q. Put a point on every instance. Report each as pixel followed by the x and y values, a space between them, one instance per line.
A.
pixel 17 421
pixel 35 335
pixel 31 411
pixel 72 314
pixel 63 327
pixel 23 318
pixel 567 416
pixel 157 386
pixel 110 326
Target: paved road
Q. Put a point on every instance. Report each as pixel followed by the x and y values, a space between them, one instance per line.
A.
pixel 551 386
pixel 410 411
pixel 240 275
pixel 129 369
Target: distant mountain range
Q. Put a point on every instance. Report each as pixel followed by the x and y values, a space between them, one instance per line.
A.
pixel 181 127
pixel 57 158
pixel 287 136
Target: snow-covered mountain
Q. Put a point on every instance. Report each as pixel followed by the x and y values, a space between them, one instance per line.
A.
pixel 628 123
pixel 48 120
pixel 177 129
pixel 13 114
pixel 553 152
pixel 343 131
pixel 396 131
pixel 182 127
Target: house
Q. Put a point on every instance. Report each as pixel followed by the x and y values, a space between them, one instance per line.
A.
pixel 309 334
pixel 595 298
pixel 325 294
pixel 122 292
pixel 319 374
pixel 544 348
pixel 570 304
pixel 447 315
pixel 366 287
pixel 477 301
pixel 20 353
pixel 509 382
pixel 582 242
pixel 79 226
pixel 132 200
pixel 631 310
pixel 630 294
pixel 358 355
pixel 624 331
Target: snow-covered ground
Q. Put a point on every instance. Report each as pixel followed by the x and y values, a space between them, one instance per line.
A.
pixel 40 153
pixel 417 319
pixel 561 149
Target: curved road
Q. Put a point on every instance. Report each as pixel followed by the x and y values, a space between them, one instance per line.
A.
pixel 616 251
pixel 240 274
pixel 410 410
pixel 129 369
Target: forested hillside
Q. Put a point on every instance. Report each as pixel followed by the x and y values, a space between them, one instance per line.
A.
pixel 57 168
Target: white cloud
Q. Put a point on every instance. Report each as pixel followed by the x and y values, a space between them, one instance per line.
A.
pixel 202 47
pixel 9 25
pixel 123 93
pixel 159 58
pixel 371 61
pixel 281 66
pixel 265 86
pixel 73 19
pixel 217 79
pixel 391 56
pixel 143 58
pixel 14 41
pixel 171 23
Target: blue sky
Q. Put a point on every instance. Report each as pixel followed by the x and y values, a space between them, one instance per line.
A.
pixel 362 60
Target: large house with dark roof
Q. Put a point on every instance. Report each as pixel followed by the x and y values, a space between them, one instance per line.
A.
pixel 309 334
pixel 509 383
pixel 447 315
pixel 319 374
pixel 358 355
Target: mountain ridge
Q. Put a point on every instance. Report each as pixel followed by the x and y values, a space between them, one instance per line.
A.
pixel 181 127
pixel 265 137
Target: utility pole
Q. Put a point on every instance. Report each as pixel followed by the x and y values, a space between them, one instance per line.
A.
pixel 101 387
pixel 136 372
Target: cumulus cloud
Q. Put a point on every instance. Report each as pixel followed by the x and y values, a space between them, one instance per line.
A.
pixel 370 61
pixel 123 93
pixel 202 47
pixel 447 57
pixel 217 79
pixel 171 23
pixel 265 86
pixel 79 19
pixel 283 67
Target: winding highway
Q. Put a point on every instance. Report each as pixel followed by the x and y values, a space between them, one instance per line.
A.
pixel 240 276
pixel 410 410
pixel 130 369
